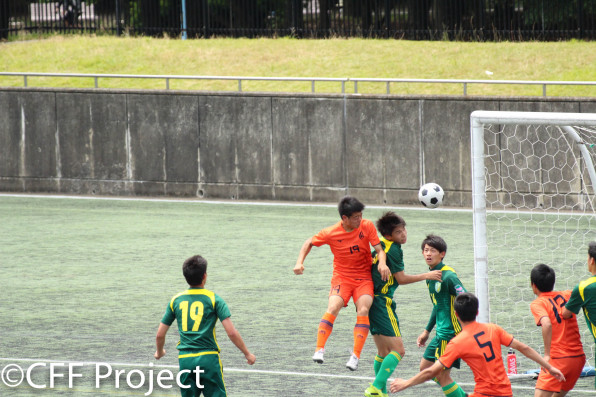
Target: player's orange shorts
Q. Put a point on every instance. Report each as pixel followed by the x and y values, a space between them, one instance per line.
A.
pixel 347 288
pixel 570 366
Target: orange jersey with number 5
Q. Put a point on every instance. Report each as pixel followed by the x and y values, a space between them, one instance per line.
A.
pixel 351 250
pixel 479 345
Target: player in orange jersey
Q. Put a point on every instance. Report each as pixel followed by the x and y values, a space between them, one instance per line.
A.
pixel 562 341
pixel 479 345
pixel 350 240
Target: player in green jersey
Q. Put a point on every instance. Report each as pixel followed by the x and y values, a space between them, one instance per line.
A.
pixel 442 295
pixel 384 324
pixel 197 310
pixel 583 295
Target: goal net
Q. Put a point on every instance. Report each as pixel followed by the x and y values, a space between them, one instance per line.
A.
pixel 533 199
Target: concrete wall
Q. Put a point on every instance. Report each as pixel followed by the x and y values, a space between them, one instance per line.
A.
pixel 302 147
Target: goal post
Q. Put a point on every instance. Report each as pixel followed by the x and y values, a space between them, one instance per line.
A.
pixel 533 181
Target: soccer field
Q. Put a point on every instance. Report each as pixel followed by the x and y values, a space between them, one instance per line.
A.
pixel 88 280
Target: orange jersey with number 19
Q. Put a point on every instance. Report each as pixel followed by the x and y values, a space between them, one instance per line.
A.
pixel 479 345
pixel 566 340
pixel 351 250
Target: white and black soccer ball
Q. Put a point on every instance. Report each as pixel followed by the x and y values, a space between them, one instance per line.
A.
pixel 431 195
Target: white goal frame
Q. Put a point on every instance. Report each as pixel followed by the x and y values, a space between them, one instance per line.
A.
pixel 477 121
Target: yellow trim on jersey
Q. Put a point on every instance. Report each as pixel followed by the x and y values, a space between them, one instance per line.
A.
pixel 391 316
pixel 215 340
pixel 196 354
pixel 454 320
pixel 391 280
pixel 200 291
pixel 445 267
pixel 584 284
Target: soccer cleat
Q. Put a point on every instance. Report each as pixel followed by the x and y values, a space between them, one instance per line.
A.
pixel 374 392
pixel 318 356
pixel 352 363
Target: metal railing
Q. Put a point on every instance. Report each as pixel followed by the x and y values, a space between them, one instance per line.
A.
pixel 313 80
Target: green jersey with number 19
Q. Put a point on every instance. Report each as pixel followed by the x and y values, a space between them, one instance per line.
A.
pixel 196 310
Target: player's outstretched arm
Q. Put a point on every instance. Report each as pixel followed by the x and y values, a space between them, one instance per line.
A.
pixel 306 247
pixel 535 356
pixel 400 384
pixel 403 278
pixel 235 337
pixel 160 340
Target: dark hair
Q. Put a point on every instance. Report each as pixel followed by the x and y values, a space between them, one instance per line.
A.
pixel 592 249
pixel 436 242
pixel 543 277
pixel 194 269
pixel 387 223
pixel 348 205
pixel 466 306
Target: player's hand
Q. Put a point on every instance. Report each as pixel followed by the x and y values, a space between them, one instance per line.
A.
pixel 434 275
pixel 384 271
pixel 298 269
pixel 556 373
pixel 250 358
pixel 159 354
pixel 397 385
pixel 422 338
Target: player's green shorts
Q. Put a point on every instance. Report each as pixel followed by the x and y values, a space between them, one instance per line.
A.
pixel 435 349
pixel 211 379
pixel 382 317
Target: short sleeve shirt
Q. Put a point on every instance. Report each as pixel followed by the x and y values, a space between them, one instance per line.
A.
pixel 395 262
pixel 566 340
pixel 351 250
pixel 479 345
pixel 583 297
pixel 196 310
pixel 442 295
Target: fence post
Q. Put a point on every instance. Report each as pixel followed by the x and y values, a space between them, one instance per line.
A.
pixel 205 4
pixel 580 19
pixel 184 20
pixel 118 25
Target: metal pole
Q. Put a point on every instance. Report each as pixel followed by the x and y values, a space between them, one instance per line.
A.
pixel 184 20
pixel 118 25
pixel 479 219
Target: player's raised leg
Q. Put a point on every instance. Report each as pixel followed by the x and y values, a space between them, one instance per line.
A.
pixel 335 304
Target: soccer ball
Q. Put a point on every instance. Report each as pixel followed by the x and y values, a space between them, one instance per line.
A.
pixel 431 195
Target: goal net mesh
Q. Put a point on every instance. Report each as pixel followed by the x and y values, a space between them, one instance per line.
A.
pixel 539 201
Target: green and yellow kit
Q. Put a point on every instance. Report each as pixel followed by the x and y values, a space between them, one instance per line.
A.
pixel 583 297
pixel 196 311
pixel 442 295
pixel 382 315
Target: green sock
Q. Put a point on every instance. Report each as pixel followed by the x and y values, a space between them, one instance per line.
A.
pixel 377 364
pixel 387 368
pixel 453 390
